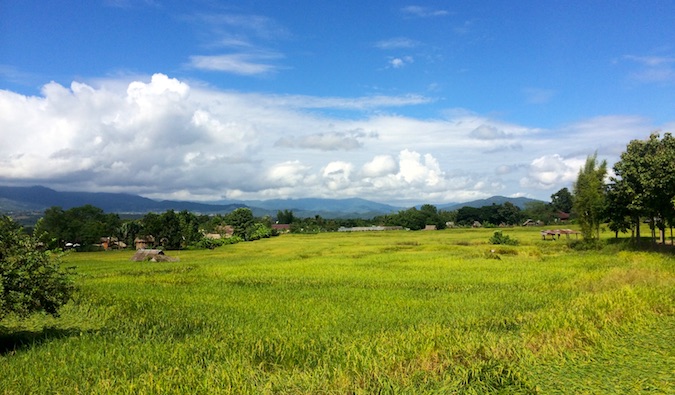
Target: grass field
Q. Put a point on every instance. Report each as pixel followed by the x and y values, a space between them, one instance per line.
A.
pixel 340 313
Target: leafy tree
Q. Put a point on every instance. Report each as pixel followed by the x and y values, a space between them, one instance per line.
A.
pixel 241 220
pixel 84 225
pixel 467 215
pixel 432 217
pixel 562 200
pixel 31 280
pixel 285 217
pixel 589 197
pixel 411 218
pixel 647 181
pixel 538 211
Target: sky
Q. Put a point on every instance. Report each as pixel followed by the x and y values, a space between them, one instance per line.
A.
pixel 399 102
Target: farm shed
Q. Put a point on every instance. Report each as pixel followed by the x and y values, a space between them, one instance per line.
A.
pixel 144 242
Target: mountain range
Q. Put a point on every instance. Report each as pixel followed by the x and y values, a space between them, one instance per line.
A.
pixel 39 198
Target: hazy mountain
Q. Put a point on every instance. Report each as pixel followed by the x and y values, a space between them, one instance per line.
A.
pixel 38 198
pixel 520 202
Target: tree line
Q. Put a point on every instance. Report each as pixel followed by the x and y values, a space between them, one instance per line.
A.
pixel 641 190
pixel 86 225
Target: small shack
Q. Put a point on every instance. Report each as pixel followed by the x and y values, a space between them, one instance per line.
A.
pixel 142 243
pixel 144 255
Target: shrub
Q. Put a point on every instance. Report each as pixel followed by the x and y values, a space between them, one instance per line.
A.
pixel 31 280
pixel 499 238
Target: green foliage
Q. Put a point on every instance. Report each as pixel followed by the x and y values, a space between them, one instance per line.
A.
pixel 493 215
pixel 83 225
pixel 499 238
pixel 241 220
pixel 645 183
pixel 31 280
pixel 285 217
pixel 539 211
pixel 563 200
pixel 258 231
pixel 589 197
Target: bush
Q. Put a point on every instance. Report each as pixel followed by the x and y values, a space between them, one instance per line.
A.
pixel 30 279
pixel 499 238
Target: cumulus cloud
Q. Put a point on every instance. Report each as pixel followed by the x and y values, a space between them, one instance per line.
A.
pixel 549 171
pixel 381 165
pixel 163 138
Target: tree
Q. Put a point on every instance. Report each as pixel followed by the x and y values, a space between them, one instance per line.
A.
pixel 538 211
pixel 647 181
pixel 430 213
pixel 84 225
pixel 285 217
pixel 241 221
pixel 589 197
pixel 31 280
pixel 562 200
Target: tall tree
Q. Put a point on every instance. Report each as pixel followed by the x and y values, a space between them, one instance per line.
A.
pixel 562 200
pixel 647 181
pixel 589 196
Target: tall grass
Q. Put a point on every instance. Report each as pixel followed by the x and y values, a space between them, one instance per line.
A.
pixel 390 312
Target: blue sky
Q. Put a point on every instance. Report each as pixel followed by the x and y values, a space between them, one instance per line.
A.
pixel 398 102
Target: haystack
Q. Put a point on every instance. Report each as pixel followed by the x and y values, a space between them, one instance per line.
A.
pixel 152 256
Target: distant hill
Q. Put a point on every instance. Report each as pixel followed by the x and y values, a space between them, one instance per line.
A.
pixel 327 208
pixel 39 198
pixel 520 202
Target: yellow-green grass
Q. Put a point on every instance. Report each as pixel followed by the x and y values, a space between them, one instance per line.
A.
pixel 381 312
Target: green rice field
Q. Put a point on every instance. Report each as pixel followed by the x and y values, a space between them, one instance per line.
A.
pixel 435 312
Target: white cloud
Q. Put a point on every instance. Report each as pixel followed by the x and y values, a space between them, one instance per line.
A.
pixel 236 63
pixel 538 95
pixel 423 12
pixel 381 165
pixel 335 141
pixel 547 172
pixel 397 63
pixel 163 138
pixel 653 69
pixel 488 132
pixel 396 43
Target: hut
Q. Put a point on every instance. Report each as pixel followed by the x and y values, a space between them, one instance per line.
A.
pixel 144 242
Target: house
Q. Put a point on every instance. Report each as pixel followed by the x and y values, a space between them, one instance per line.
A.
pixel 430 227
pixel 109 243
pixel 477 224
pixel 281 228
pixel 562 216
pixel 144 242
